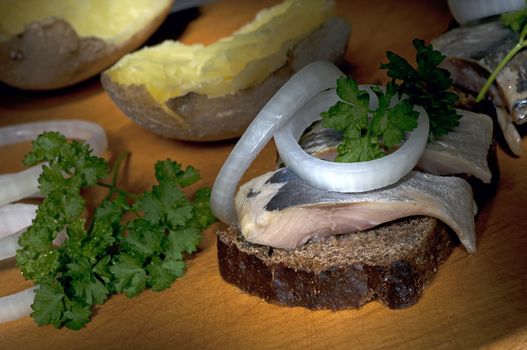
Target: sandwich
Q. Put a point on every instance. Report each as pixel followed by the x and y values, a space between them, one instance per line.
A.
pixel 296 244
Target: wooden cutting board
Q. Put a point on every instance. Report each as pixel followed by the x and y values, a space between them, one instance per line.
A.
pixel 477 301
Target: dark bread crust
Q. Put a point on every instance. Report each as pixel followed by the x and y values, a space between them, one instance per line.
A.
pixel 391 263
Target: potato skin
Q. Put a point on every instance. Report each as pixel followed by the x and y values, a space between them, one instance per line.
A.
pixel 196 117
pixel 49 54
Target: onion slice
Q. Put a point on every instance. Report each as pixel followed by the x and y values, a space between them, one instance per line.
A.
pixel 14 187
pixel 303 85
pixel 465 11
pixel 347 177
pixel 16 305
pixel 15 218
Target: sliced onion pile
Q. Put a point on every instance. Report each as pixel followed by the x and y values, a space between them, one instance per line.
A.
pixel 297 104
pixel 15 218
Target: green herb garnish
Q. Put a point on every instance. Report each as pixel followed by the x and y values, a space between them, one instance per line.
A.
pixel 427 86
pixel 364 137
pixel 517 21
pixel 370 134
pixel 107 253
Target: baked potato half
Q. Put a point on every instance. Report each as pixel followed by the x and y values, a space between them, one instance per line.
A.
pixel 208 93
pixel 50 44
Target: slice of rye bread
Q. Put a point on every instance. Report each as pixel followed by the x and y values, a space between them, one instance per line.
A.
pixel 392 263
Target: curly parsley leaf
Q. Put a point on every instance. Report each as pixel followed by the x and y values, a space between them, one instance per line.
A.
pixel 368 134
pixel 170 171
pixel 85 284
pixel 129 275
pixel 515 20
pixel 426 86
pixel 161 273
pixel 111 211
pixel 144 238
pixel 48 306
pixel 202 212
pixel 183 240
pixel 76 315
pixel 109 252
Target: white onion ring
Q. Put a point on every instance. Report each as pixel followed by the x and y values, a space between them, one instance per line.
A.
pixel 17 305
pixel 347 177
pixel 303 85
pixel 23 184
pixel 15 218
pixel 465 11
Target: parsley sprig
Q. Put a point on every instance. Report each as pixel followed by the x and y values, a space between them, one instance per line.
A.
pixel 426 86
pixel 517 21
pixel 364 137
pixel 372 133
pixel 106 253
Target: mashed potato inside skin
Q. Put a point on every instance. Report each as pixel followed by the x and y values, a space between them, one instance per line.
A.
pixel 239 61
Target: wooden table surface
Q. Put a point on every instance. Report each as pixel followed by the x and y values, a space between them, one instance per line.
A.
pixel 477 301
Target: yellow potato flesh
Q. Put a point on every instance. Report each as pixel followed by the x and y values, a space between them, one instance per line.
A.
pixel 244 59
pixel 111 20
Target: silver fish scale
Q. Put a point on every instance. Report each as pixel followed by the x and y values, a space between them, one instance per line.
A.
pixel 446 198
pixel 469 143
pixel 456 192
pixel 487 44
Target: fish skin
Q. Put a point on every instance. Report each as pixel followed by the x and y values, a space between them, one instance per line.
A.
pixel 279 209
pixel 463 150
pixel 472 54
pixel 487 44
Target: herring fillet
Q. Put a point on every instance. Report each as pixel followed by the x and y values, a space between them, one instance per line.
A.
pixel 464 150
pixel 279 209
pixel 475 51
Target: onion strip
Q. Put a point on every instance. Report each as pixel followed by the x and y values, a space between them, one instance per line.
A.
pixel 303 85
pixel 465 11
pixel 15 218
pixel 347 177
pixel 14 187
pixel 17 305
